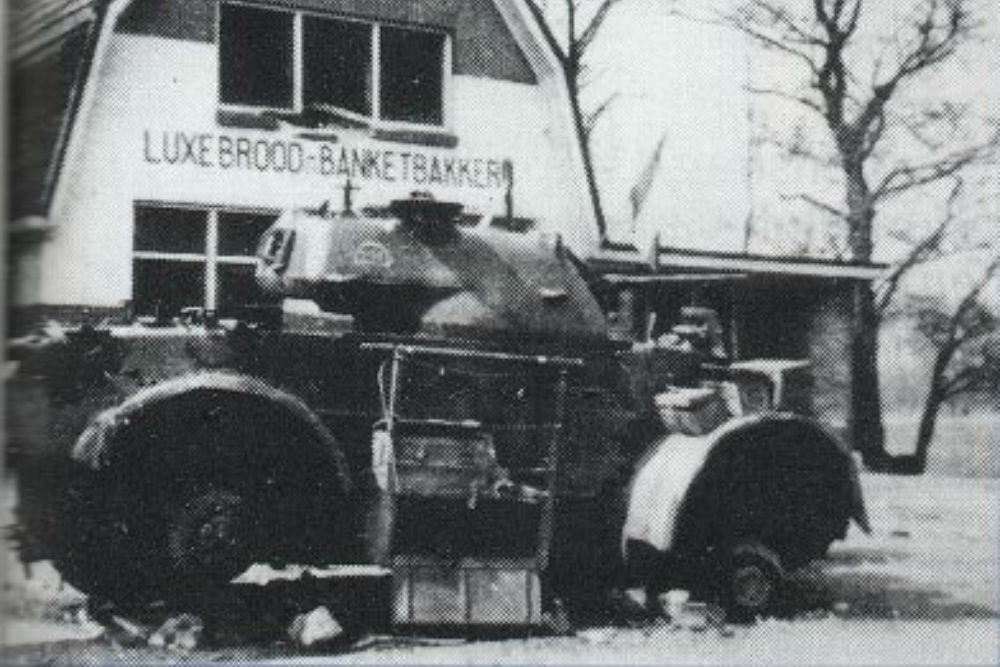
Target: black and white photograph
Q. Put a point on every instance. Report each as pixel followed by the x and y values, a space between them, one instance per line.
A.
pixel 501 332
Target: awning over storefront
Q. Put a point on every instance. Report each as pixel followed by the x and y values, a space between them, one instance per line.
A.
pixel 625 264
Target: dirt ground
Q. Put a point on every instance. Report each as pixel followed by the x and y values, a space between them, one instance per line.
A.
pixel 922 589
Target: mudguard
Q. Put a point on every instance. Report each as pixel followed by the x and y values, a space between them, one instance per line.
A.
pixel 97 443
pixel 660 495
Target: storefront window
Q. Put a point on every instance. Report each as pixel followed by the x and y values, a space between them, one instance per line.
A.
pixel 190 257
pixel 280 59
pixel 164 287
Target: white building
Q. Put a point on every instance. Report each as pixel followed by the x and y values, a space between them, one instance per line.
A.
pixel 156 139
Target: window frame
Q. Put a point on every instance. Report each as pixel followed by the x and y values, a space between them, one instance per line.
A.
pixel 296 52
pixel 210 259
pixel 373 120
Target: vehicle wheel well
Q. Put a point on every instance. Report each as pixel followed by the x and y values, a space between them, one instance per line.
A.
pixel 786 483
pixel 215 431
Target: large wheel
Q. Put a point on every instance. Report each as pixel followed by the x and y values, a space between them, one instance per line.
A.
pixel 193 490
pixel 749 579
pixel 189 535
pixel 132 550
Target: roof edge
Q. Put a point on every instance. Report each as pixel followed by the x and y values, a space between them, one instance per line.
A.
pixel 108 12
pixel 627 258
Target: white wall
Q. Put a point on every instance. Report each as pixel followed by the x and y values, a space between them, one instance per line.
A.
pixel 150 88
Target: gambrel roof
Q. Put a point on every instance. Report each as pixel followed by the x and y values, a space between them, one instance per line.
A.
pixel 39 26
pixel 51 45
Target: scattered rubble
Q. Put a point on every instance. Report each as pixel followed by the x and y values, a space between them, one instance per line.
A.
pixel 841 608
pixel 673 602
pixel 179 633
pixel 314 628
pixel 125 632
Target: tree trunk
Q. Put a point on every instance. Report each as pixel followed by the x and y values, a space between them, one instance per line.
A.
pixel 925 434
pixel 866 429
pixel 867 432
pixel 935 397
pixel 572 72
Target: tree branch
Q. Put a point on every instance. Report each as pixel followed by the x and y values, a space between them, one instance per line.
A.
pixel 572 61
pixel 972 296
pixel 953 339
pixel 749 27
pixel 590 122
pixel 935 42
pixel 821 205
pixel 779 15
pixel 921 252
pixel 804 101
pixel 971 378
pixel 590 31
pixel 907 177
pixel 557 48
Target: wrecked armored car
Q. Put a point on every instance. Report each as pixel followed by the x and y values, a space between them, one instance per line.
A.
pixel 445 404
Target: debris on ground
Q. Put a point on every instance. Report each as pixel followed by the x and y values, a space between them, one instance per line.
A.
pixel 841 608
pixel 179 633
pixel 314 628
pixel 629 607
pixel 693 616
pixel 673 601
pixel 557 619
pixel 930 595
pixel 125 632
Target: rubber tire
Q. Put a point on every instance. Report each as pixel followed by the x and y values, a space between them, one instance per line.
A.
pixel 750 579
pixel 116 549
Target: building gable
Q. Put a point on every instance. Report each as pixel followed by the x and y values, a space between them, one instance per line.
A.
pixel 483 44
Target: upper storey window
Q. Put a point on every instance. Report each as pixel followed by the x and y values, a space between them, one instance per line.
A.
pixel 256 55
pixel 336 64
pixel 295 61
pixel 412 81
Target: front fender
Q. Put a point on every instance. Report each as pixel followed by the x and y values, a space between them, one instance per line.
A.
pixel 99 442
pixel 679 472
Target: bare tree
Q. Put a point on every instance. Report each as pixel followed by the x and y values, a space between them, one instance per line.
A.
pixel 583 21
pixel 967 358
pixel 856 93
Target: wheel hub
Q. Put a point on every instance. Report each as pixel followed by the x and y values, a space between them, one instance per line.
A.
pixel 208 538
pixel 752 587
pixel 215 539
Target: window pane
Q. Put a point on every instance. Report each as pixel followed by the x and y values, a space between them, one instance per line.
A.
pixel 239 233
pixel 167 285
pixel 255 56
pixel 169 229
pixel 337 63
pixel 412 76
pixel 236 289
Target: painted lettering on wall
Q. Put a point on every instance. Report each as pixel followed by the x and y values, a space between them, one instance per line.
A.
pixel 211 150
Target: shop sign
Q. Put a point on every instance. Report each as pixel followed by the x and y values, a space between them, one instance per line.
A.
pixel 236 152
